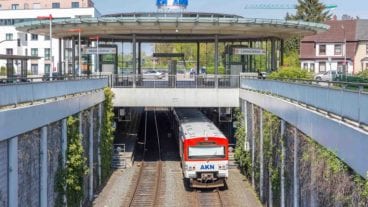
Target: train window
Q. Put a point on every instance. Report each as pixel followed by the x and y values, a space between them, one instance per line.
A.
pixel 200 152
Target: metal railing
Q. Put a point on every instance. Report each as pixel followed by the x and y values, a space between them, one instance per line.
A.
pixel 175 81
pixel 344 99
pixel 37 79
pixel 13 93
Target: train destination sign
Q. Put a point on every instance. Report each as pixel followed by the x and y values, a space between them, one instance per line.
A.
pixel 249 51
pixel 101 50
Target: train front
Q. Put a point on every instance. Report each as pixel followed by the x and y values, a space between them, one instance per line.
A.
pixel 206 162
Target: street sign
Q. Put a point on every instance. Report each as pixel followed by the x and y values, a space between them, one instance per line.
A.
pixel 249 51
pixel 101 50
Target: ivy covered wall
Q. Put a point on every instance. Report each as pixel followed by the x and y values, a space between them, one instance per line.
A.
pixel 285 165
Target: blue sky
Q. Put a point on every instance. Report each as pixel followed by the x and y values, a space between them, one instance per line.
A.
pixel 351 7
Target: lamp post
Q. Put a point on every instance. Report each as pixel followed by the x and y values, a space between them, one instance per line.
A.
pixel 345 68
pixel 51 58
pixel 97 38
pixel 79 50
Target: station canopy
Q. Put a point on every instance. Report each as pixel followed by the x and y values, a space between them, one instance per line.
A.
pixel 173 27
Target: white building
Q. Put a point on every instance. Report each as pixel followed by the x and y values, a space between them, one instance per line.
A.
pixel 26 44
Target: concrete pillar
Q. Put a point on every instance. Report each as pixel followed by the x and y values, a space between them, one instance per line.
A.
pixel 80 117
pixel 296 166
pixel 13 172
pixel 245 113
pixel 91 155
pixel 261 161
pixel 216 56
pixel 134 46
pixel 253 147
pixel 99 141
pixel 270 193
pixel 282 183
pixel 43 164
pixel 64 146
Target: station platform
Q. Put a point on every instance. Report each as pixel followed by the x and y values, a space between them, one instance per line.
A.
pixel 125 140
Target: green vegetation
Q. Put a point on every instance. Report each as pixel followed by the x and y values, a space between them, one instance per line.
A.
pixel 107 135
pixel 2 70
pixel 310 11
pixel 76 167
pixel 290 73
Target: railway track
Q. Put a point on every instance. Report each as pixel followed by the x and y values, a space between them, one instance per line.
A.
pixel 147 189
pixel 209 198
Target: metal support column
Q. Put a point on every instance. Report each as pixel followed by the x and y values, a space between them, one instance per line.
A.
pixel 216 61
pixel 13 171
pixel 139 58
pixel 261 154
pixel 282 52
pixel 282 183
pixel 43 170
pixel 64 140
pixel 91 155
pixel 98 142
pixel 296 166
pixel 198 57
pixel 60 70
pixel 273 55
pixel 73 56
pixel 253 147
pixel 134 45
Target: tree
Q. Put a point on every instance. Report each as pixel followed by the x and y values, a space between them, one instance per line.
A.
pixel 310 11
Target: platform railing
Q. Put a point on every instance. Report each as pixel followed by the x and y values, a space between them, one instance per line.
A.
pixel 175 81
pixel 346 100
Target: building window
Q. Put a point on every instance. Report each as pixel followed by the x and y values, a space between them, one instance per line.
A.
pixel 322 67
pixel 34 37
pixel 305 65
pixel 47 53
pixel 34 52
pixel 34 69
pixel 9 51
pixel 8 36
pixel 75 4
pixel 311 67
pixel 56 5
pixel 322 49
pixel 47 68
pixel 340 66
pixel 15 6
pixel 26 37
pixel 47 37
pixel 338 49
pixel 18 42
pixel 36 6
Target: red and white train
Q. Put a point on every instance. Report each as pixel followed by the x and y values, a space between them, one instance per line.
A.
pixel 203 149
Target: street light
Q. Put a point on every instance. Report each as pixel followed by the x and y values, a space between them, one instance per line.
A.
pixel 97 38
pixel 79 50
pixel 345 69
pixel 52 59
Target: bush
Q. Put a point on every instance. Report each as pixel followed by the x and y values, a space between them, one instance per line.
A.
pixel 290 73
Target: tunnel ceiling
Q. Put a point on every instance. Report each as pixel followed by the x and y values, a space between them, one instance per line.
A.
pixel 179 27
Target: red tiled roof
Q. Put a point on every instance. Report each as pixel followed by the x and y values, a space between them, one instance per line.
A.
pixel 336 32
pixel 334 35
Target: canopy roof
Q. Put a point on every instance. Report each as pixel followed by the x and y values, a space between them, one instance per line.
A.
pixel 168 27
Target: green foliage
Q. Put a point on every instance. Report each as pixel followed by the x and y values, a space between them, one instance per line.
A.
pixel 242 156
pixel 76 167
pixel 310 11
pixel 290 73
pixel 363 74
pixel 107 135
pixel 292 60
pixel 2 70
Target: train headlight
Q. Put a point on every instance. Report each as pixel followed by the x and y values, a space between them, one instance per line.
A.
pixel 223 167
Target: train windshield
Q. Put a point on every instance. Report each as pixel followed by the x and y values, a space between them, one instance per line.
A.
pixel 200 152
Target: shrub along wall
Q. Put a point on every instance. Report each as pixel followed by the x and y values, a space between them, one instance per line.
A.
pixel 322 178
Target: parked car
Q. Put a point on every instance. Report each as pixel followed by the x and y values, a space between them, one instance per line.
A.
pixel 327 76
pixel 152 74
